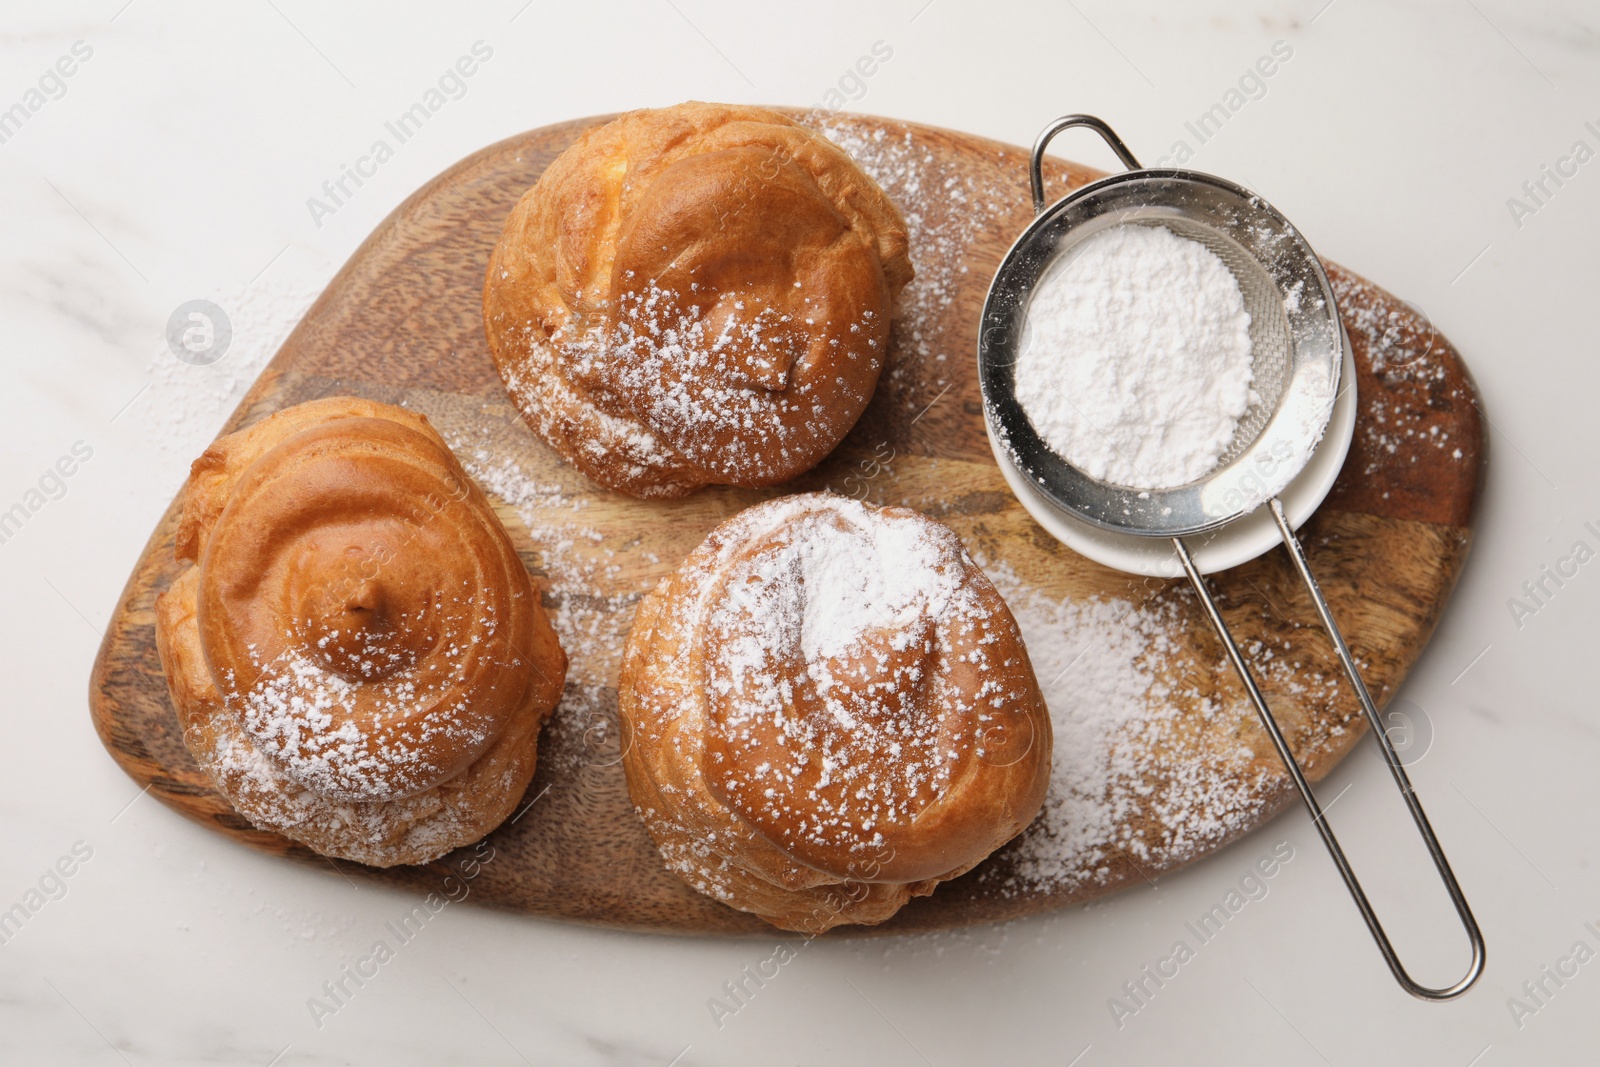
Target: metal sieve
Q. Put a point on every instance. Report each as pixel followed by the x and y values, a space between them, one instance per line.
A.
pixel 1300 354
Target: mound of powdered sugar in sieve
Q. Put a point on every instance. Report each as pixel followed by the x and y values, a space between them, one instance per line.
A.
pixel 1137 364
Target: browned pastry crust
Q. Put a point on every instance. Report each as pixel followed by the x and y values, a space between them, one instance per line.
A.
pixel 357 657
pixel 828 711
pixel 695 295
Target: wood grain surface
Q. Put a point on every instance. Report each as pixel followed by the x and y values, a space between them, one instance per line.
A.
pixel 401 323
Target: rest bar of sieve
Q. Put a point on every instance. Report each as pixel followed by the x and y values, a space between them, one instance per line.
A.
pixel 1318 818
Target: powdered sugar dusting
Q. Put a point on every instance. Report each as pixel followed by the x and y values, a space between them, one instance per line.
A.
pixel 850 576
pixel 945 208
pixel 186 404
pixel 828 658
pixel 591 617
pixel 725 394
pixel 341 737
pixel 381 833
pixel 1409 357
pixel 1126 784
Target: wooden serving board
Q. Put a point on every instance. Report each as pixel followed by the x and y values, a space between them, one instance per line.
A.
pixel 1185 771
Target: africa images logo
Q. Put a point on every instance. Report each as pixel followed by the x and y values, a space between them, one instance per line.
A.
pixel 199 332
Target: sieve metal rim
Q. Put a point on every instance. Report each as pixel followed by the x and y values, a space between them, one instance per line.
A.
pixel 1315 343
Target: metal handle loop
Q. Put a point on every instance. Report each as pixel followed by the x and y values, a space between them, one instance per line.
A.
pixel 1318 818
pixel 1066 122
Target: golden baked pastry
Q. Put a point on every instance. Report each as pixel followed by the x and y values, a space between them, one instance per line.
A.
pixel 693 295
pixel 357 657
pixel 829 710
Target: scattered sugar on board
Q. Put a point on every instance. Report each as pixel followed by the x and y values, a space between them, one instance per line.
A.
pixel 1405 353
pixel 1120 787
pixel 945 209
pixel 186 405
pixel 590 618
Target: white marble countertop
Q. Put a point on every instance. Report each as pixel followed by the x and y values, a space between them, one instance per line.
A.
pixel 175 162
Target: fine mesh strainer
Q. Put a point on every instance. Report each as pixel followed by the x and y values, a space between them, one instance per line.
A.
pixel 1300 354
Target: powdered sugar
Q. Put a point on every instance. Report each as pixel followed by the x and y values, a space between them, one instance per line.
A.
pixel 382 833
pixel 945 208
pixel 725 395
pixel 1136 364
pixel 851 575
pixel 1126 784
pixel 831 636
pixel 586 598
pixel 578 564
pixel 1410 360
pixel 1090 660
pixel 339 736
pixel 186 404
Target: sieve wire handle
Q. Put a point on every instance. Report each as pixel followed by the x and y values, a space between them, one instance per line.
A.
pixel 1066 122
pixel 1318 818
